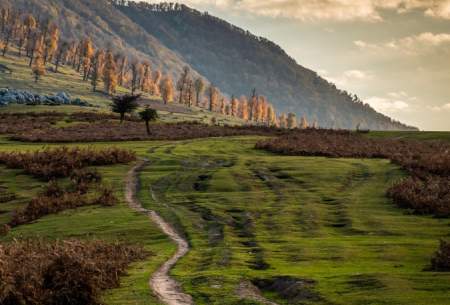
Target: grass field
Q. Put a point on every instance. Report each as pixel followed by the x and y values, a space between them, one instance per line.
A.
pixel 414 135
pixel 252 215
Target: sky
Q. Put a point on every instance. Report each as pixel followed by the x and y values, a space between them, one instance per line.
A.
pixel 394 54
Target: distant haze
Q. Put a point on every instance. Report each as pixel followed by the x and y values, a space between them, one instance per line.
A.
pixel 394 54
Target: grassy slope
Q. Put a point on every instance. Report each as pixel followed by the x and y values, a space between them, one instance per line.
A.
pixel 71 82
pixel 318 218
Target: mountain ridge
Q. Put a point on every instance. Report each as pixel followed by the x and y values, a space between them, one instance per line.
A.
pixel 172 36
pixel 237 61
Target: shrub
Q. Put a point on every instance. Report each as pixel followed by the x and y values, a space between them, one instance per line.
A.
pixel 133 131
pixel 63 272
pixel 63 161
pixel 430 195
pixel 441 259
pixel 106 198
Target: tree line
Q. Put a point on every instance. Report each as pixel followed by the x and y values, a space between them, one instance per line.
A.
pixel 40 40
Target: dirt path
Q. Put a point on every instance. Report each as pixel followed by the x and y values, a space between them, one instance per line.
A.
pixel 165 288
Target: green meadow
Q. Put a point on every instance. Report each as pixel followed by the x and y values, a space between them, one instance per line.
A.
pixel 252 215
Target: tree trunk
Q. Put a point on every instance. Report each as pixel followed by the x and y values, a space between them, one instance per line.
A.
pixel 148 127
pixel 122 117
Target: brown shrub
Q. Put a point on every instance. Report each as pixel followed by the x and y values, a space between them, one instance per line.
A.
pixel 63 161
pixel 4 230
pixel 430 195
pixel 13 123
pixel 67 272
pixel 136 131
pixel 106 197
pixel 46 205
pixel 441 259
pixel 55 199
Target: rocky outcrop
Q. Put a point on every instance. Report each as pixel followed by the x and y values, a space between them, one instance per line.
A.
pixel 23 97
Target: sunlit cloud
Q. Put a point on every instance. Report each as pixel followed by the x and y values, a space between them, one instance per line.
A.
pixel 445 107
pixel 392 103
pixel 411 45
pixel 348 77
pixel 333 10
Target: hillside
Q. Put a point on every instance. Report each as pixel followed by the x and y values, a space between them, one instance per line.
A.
pixel 107 26
pixel 172 37
pixel 70 82
pixel 237 61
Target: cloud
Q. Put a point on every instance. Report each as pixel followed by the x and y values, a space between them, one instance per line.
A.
pixel 333 10
pixel 386 105
pixel 348 77
pixel 445 107
pixel 393 102
pixel 410 45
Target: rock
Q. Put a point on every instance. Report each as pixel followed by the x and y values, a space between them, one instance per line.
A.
pixel 64 96
pixel 14 96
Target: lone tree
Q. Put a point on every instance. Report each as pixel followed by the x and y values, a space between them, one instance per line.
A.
pixel 124 104
pixel 147 115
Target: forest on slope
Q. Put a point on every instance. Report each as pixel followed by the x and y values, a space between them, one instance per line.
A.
pixel 234 60
pixel 172 37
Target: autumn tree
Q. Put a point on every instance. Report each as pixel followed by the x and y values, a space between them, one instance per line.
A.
pixel 4 16
pixel 282 121
pixel 97 68
pixel 234 106
pixel 213 95
pixel 110 73
pixel 199 89
pixel 36 46
pixel 223 106
pixel 30 25
pixel 154 87
pixel 271 117
pixel 61 54
pixel 8 36
pixel 146 80
pixel 124 104
pixel 136 72
pixel 243 109
pixel 190 92
pixel 122 62
pixel 167 89
pixel 38 67
pixel 21 38
pixel 51 43
pixel 87 51
pixel 303 122
pixel 147 115
pixel 253 108
pixel 182 83
pixel 291 120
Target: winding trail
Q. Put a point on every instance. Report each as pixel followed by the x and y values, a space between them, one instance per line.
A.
pixel 165 288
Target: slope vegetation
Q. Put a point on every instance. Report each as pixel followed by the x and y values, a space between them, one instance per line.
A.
pixel 237 61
